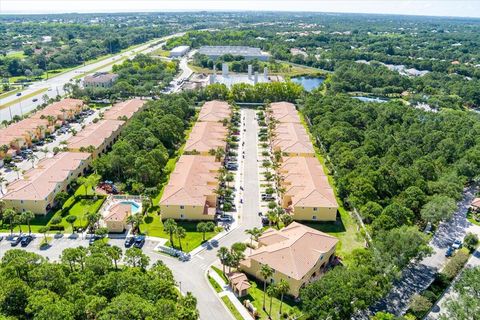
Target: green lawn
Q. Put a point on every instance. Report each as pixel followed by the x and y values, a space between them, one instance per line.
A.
pixel 214 284
pixel 233 310
pixel 81 208
pixel 220 273
pixel 153 226
pixel 16 54
pixel 255 295
pixel 471 219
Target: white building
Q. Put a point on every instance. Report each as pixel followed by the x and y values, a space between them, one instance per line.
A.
pixel 179 51
pixel 249 53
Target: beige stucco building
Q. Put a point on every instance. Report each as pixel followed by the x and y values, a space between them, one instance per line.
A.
pixel 124 110
pixel 297 254
pixel 100 135
pixel 117 216
pixel 308 194
pixel 292 139
pixel 215 111
pixel 283 112
pixel 206 136
pixel 190 192
pixel 37 189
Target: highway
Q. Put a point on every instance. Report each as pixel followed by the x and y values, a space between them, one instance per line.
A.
pixel 54 86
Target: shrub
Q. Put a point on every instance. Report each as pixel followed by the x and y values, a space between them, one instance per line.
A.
pixel 471 241
pixel 420 305
pixel 455 264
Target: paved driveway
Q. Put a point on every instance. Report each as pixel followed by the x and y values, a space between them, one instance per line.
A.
pixel 191 275
pixel 419 275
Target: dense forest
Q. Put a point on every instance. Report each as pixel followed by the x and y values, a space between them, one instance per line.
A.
pixel 139 157
pixel 401 168
pixel 95 283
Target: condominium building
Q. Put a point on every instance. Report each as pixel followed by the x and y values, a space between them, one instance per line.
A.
pixel 62 110
pixel 37 189
pixel 99 136
pixel 206 136
pixel 298 254
pixel 284 112
pixel 308 194
pixel 292 139
pixel 124 110
pixel 215 111
pixel 190 193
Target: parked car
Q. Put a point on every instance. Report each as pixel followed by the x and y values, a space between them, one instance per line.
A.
pixel 17 159
pixel 265 221
pixel 34 99
pixel 18 94
pixel 184 257
pixel 231 167
pixel 94 238
pixel 225 218
pixel 457 244
pixel 25 240
pixel 267 197
pixel 139 242
pixel 129 242
pixel 449 252
pixel 1 238
pixel 15 241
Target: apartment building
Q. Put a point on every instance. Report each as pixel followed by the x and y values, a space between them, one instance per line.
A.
pixel 37 189
pixel 99 136
pixel 124 110
pixel 190 193
pixel 292 139
pixel 297 253
pixel 61 111
pixel 308 194
pixel 284 112
pixel 206 136
pixel 215 111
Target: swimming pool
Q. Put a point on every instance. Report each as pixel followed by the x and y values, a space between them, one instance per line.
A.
pixel 135 206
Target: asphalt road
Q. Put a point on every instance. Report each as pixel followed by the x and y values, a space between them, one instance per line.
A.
pixel 419 275
pixel 191 275
pixel 54 85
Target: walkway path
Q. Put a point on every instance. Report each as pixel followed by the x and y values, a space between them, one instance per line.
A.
pixel 419 275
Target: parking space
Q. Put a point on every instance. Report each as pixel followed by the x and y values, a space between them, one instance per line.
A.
pixel 44 148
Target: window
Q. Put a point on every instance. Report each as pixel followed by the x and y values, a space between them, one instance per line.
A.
pixel 315 209
pixel 314 217
pixel 182 207
pixel 181 216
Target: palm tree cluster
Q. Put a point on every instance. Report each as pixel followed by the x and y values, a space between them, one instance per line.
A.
pixel 231 257
pixel 171 227
pixel 15 219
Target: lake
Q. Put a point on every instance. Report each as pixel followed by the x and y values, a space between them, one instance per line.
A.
pixel 371 99
pixel 308 83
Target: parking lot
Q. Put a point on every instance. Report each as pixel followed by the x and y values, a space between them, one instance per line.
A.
pixel 42 149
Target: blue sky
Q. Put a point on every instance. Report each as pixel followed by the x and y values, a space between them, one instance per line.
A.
pixel 413 7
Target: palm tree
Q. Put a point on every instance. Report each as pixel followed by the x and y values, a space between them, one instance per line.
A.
pixel 45 151
pixel 10 216
pixel 170 226
pixel 115 253
pixel 254 233
pixel 17 170
pixel 266 271
pixel 229 178
pixel 131 222
pixel 282 289
pixel 44 230
pixel 92 219
pixel 271 291
pixel 222 255
pixel 219 153
pixel 27 216
pixel 181 234
pixel 32 157
pixel 18 221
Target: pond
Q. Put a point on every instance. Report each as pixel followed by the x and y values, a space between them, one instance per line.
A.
pixel 308 83
pixel 371 99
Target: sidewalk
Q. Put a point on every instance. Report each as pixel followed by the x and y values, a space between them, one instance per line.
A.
pixel 227 292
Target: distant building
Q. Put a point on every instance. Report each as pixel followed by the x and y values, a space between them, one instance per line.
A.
pixel 179 51
pixel 100 80
pixel 249 53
